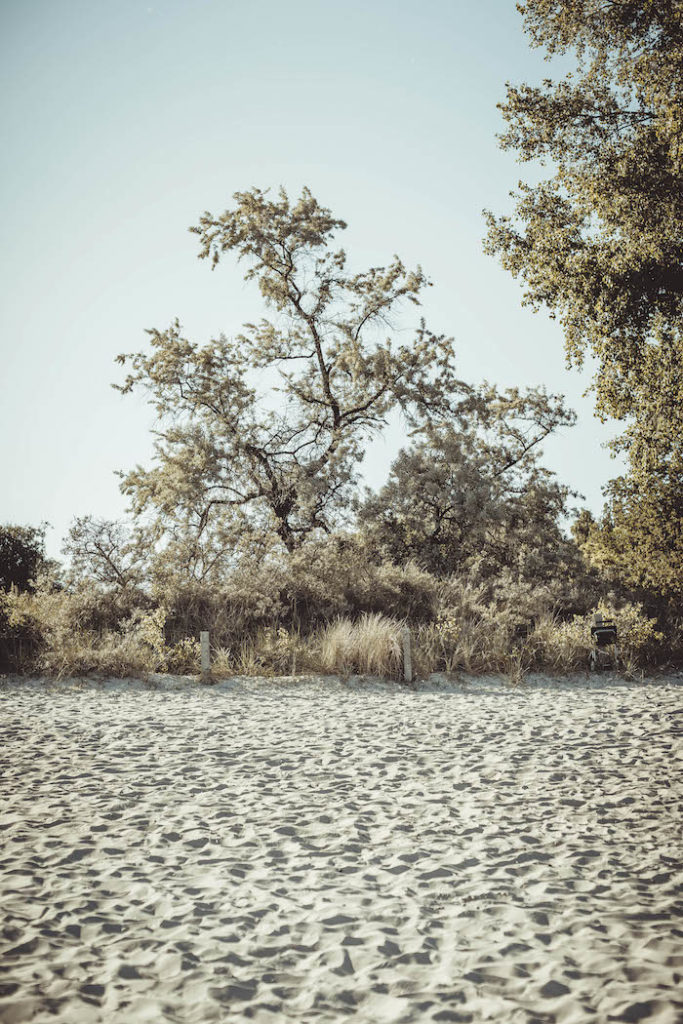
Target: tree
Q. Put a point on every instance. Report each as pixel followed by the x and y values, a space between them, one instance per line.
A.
pixel 476 500
pixel 600 242
pixel 104 551
pixel 639 538
pixel 22 556
pixel 230 461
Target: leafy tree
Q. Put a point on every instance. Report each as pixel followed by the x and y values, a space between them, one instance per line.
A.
pixel 600 242
pixel 22 556
pixel 230 462
pixel 639 538
pixel 104 551
pixel 476 500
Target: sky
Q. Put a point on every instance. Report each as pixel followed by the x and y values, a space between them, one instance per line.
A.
pixel 122 122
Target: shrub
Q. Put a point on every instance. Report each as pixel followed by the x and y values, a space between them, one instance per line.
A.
pixel 94 608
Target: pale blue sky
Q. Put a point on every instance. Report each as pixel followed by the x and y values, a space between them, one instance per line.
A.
pixel 121 122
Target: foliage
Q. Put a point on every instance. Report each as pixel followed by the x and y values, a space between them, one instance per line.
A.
pixel 22 555
pixel 639 538
pixel 474 501
pixel 483 641
pixel 232 467
pixel 343 575
pixel 121 642
pixel 323 580
pixel 267 652
pixel 600 243
pixel 105 552
pixel 21 635
pixel 62 646
pixel 95 608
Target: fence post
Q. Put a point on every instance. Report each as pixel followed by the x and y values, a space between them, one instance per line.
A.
pixel 407 656
pixel 206 655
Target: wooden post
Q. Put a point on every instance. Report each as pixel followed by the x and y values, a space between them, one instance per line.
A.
pixel 407 656
pixel 206 655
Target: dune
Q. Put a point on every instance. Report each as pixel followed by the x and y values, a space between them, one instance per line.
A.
pixel 321 850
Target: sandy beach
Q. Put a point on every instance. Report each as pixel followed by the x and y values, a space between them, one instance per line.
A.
pixel 322 851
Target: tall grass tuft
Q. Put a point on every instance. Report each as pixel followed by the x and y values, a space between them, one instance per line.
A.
pixel 369 646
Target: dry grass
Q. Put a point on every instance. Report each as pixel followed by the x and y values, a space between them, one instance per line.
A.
pixel 267 652
pixel 369 646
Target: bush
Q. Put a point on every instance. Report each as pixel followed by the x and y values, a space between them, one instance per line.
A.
pixel 301 592
pixel 269 651
pixel 94 608
pixel 478 638
pixel 21 631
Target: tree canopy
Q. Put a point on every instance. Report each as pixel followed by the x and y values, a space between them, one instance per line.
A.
pixel 232 462
pixel 22 555
pixel 475 501
pixel 104 551
pixel 600 241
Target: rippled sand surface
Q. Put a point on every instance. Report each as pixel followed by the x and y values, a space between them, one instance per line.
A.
pixel 320 852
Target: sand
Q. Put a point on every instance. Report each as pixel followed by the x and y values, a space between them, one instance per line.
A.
pixel 316 851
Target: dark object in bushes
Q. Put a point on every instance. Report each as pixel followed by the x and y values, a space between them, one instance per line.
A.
pixel 604 633
pixel 604 636
pixel 523 631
